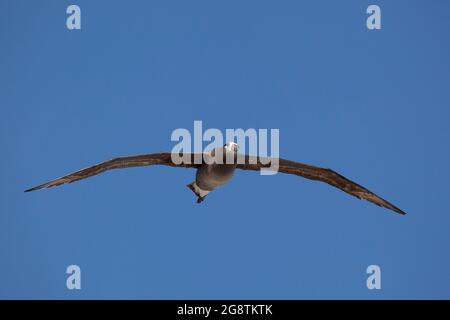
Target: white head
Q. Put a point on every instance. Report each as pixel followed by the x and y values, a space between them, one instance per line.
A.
pixel 231 147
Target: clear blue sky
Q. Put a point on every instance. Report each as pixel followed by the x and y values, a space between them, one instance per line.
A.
pixel 372 105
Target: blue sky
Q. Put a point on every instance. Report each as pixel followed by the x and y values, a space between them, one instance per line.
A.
pixel 372 105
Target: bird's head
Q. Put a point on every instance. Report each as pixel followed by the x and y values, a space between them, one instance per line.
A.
pixel 231 147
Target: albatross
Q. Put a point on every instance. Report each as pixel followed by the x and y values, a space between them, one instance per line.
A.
pixel 212 174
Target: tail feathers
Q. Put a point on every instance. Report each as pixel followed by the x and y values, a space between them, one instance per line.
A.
pixel 201 194
pixel 200 199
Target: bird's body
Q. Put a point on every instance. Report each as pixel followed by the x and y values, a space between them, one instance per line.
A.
pixel 209 176
pixel 215 170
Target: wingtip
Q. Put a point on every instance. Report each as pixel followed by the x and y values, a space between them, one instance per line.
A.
pixel 398 210
pixel 35 188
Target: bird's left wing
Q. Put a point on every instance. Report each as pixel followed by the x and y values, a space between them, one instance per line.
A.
pixel 321 174
pixel 164 158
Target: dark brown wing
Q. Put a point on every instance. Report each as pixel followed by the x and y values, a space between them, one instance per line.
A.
pixel 321 174
pixel 117 163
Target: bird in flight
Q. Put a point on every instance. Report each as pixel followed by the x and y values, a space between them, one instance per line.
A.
pixel 212 174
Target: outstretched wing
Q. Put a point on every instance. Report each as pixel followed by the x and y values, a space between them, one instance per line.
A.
pixel 321 174
pixel 164 158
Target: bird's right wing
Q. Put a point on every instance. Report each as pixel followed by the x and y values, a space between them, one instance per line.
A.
pixel 320 174
pixel 164 158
